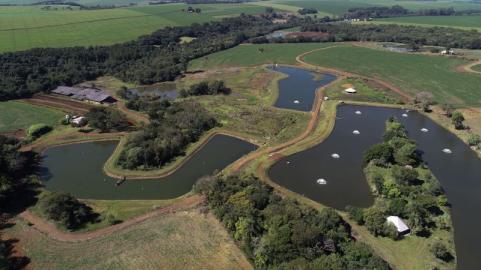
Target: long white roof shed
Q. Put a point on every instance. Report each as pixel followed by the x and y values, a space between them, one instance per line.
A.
pixel 398 223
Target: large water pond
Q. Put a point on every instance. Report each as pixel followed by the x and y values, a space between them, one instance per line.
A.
pixel 458 172
pixel 298 90
pixel 77 169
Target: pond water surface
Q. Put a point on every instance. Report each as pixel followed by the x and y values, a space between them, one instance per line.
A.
pixel 459 172
pixel 77 169
pixel 298 90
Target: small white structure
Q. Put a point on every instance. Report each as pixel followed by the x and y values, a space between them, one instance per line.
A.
pixel 326 98
pixel 404 115
pixel 447 151
pixel 350 90
pixel 424 130
pixel 401 227
pixel 296 101
pixel 358 112
pixel 447 52
pixel 335 155
pixel 356 132
pixel 288 162
pixel 321 181
pixel 79 121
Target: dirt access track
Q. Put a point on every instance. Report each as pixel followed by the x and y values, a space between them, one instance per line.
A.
pixel 63 104
pixel 469 67
pixel 51 230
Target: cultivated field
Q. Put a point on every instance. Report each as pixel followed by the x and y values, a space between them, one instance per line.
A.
pixel 28 27
pixel 253 55
pixel 182 240
pixel 410 72
pixel 462 22
pixel 18 115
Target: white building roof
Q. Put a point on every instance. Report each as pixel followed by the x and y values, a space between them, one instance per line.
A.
pixel 398 223
pixel 350 90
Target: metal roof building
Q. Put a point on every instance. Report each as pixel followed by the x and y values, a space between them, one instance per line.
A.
pixel 88 94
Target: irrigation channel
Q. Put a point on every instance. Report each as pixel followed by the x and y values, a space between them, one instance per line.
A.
pixel 77 169
pixel 459 171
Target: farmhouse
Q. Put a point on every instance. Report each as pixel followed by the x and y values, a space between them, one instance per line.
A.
pixel 85 94
pixel 401 227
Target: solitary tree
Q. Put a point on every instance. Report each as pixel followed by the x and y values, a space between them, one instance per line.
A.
pixel 458 119
pixel 425 99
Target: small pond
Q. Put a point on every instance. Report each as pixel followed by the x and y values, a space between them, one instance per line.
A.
pixel 165 90
pixel 458 172
pixel 77 169
pixel 298 90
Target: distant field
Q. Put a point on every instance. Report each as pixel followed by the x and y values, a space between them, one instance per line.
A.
pixel 27 27
pixel 476 68
pixel 463 22
pixel 412 73
pixel 250 55
pixel 339 7
pixel 17 115
pixel 183 240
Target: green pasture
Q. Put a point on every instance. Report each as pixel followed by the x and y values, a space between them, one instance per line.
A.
pixel 28 27
pixel 412 73
pixel 253 55
pixel 18 115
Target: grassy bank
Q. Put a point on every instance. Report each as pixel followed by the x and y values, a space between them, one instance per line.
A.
pixel 462 22
pixel 182 240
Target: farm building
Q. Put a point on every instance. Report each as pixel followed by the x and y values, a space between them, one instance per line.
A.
pixel 85 94
pixel 401 227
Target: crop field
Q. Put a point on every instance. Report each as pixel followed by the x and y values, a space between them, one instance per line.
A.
pixel 462 22
pixel 28 27
pixel 182 240
pixel 253 55
pixel 410 72
pixel 18 115
pixel 336 8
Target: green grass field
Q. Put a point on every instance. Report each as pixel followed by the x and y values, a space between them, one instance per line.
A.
pixel 28 27
pixel 17 115
pixel 182 240
pixel 462 22
pixel 476 68
pixel 412 73
pixel 250 55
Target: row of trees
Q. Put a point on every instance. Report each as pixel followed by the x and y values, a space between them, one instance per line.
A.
pixel 172 128
pixel 280 233
pixel 107 119
pixel 399 11
pixel 305 11
pixel 434 36
pixel 152 58
pixel 404 188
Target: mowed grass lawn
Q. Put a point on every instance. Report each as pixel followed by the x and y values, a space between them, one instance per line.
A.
pixel 253 55
pixel 412 73
pixel 182 240
pixel 28 27
pixel 18 115
pixel 462 22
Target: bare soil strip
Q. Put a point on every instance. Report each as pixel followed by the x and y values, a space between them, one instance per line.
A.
pixel 468 67
pixel 66 105
pixel 51 230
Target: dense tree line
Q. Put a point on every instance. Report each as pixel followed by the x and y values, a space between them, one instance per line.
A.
pixel 399 11
pixel 17 184
pixel 151 58
pixel 403 188
pixel 280 233
pixel 173 126
pixel 205 88
pixel 434 36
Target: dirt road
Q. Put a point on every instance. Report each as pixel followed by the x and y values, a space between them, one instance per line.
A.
pixel 51 230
